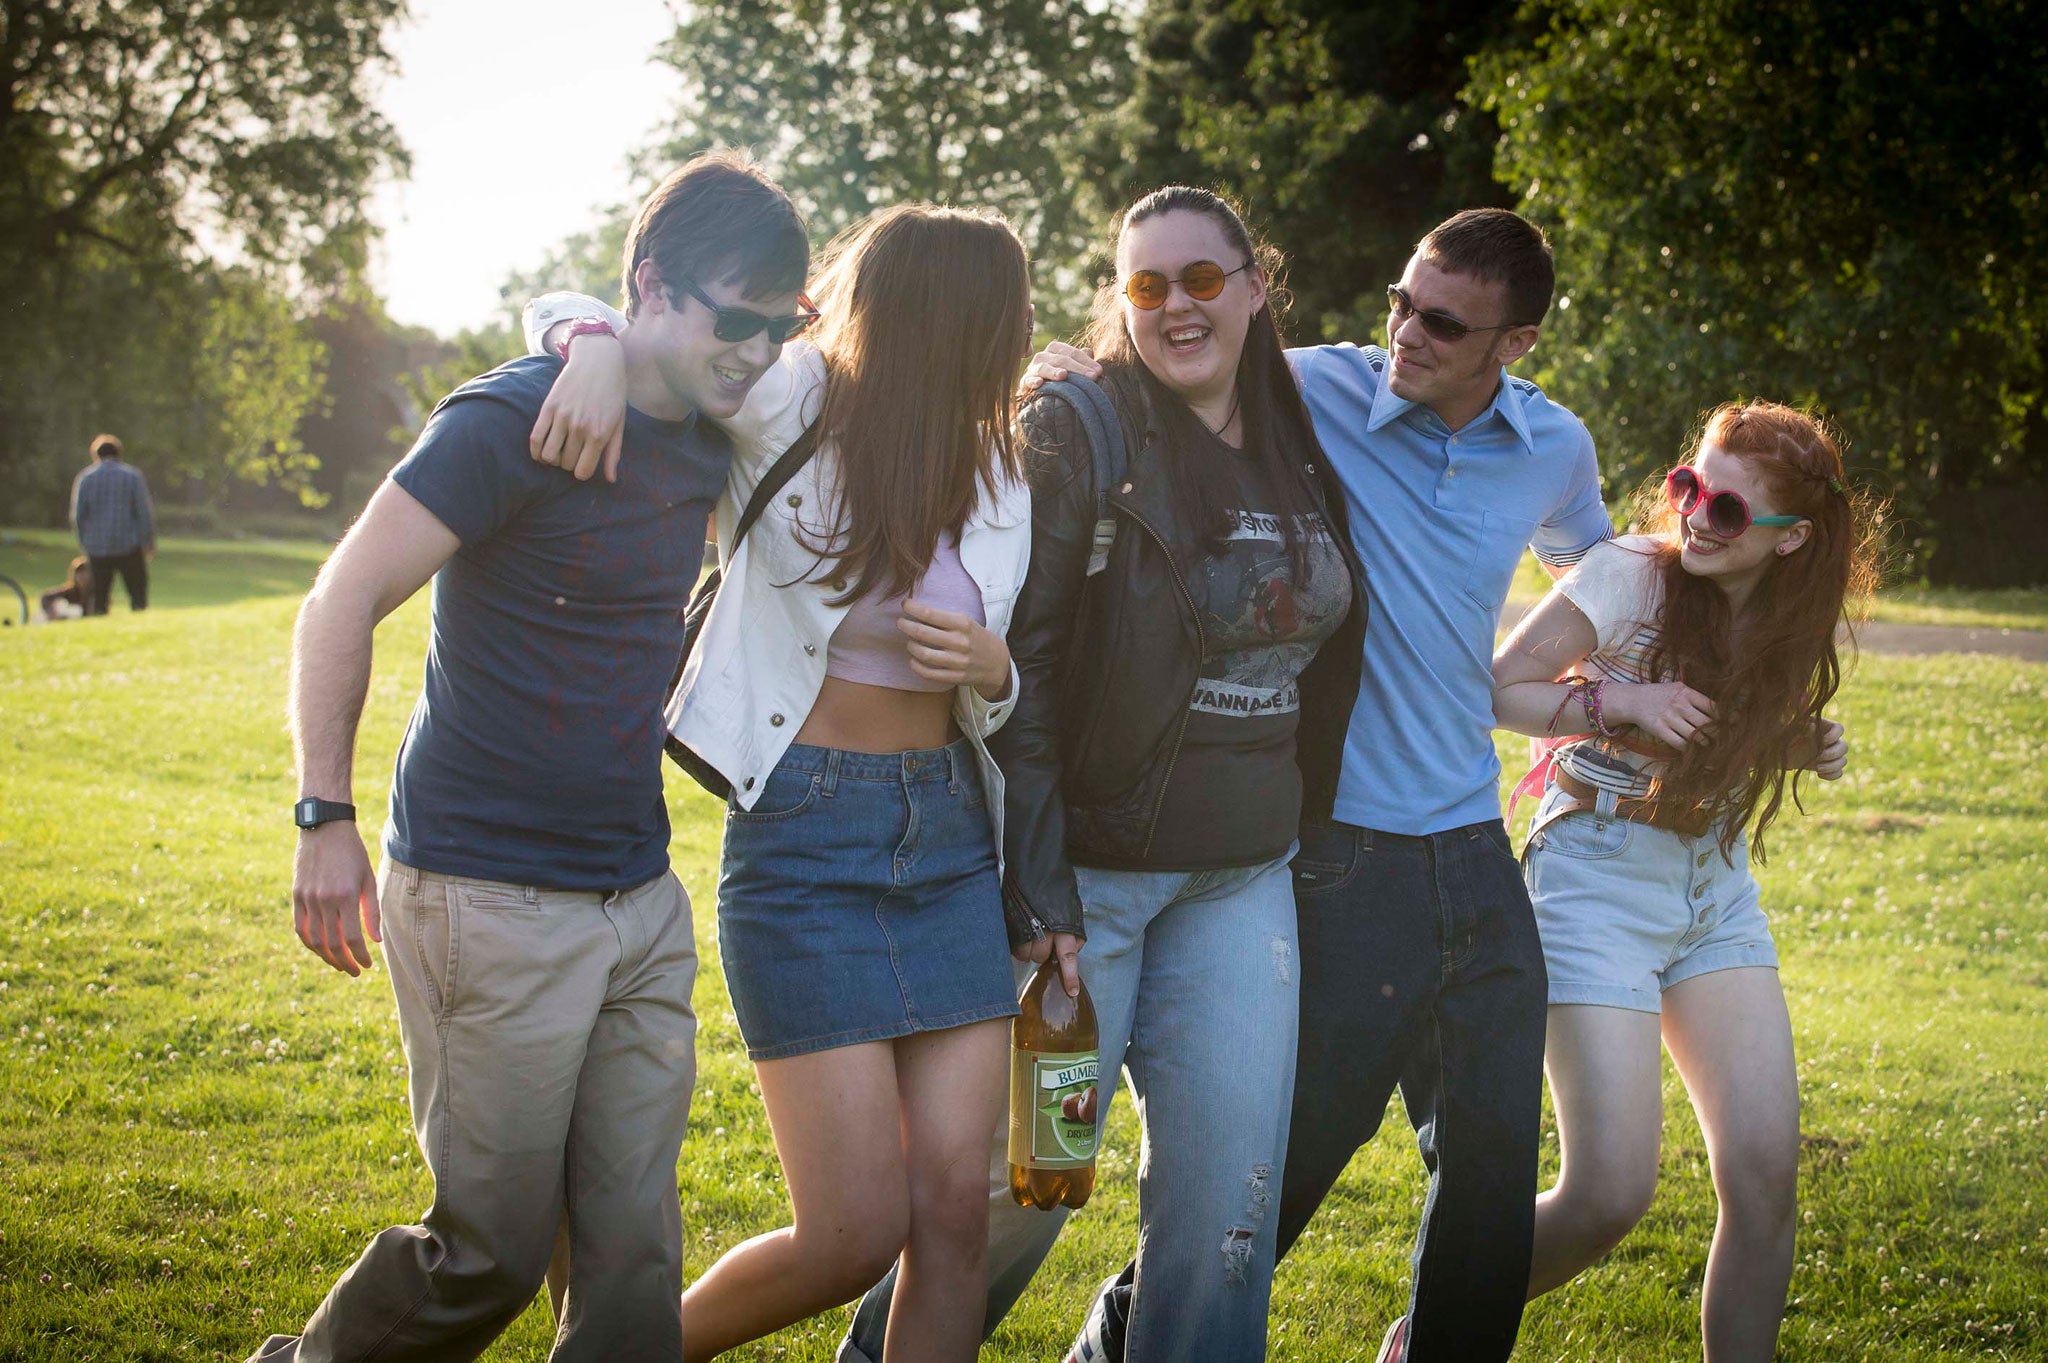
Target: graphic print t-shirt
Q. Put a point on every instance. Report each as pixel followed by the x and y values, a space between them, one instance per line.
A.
pixel 1235 795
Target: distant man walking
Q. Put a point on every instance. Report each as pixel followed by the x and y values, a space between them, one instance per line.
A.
pixel 116 527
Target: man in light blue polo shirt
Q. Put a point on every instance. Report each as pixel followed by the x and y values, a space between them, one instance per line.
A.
pixel 1420 961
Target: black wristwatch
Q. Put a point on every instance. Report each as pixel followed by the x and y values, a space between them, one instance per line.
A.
pixel 311 812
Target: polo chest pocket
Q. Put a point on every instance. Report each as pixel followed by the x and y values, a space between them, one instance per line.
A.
pixel 1497 549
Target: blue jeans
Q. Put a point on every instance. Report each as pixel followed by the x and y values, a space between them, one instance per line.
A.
pixel 1421 965
pixel 1193 976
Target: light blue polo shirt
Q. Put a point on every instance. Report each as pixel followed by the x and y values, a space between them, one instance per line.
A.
pixel 1441 519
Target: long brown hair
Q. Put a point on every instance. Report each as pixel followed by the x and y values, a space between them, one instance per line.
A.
pixel 1277 430
pixel 1769 693
pixel 926 319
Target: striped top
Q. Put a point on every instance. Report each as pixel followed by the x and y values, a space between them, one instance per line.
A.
pixel 110 508
pixel 1617 587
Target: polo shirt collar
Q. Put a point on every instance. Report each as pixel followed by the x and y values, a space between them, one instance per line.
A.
pixel 1387 407
pixel 1508 403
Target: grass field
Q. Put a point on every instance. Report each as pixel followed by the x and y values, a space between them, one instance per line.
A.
pixel 1995 608
pixel 200 1124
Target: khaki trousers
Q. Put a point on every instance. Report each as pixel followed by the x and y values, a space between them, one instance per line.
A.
pixel 552 1049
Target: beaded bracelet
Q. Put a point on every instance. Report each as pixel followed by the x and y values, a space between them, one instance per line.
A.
pixel 1573 686
pixel 1596 711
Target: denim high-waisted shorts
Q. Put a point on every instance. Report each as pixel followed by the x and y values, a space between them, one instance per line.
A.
pixel 1626 910
pixel 858 901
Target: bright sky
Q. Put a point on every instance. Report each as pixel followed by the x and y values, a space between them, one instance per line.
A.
pixel 520 115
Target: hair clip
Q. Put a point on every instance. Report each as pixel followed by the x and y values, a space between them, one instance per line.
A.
pixel 1835 485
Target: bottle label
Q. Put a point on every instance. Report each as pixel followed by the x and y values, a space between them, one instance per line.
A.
pixel 1053 1103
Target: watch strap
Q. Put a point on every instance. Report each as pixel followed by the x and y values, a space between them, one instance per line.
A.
pixel 313 811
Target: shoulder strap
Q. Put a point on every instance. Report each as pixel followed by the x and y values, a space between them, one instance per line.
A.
pixel 1097 415
pixel 775 479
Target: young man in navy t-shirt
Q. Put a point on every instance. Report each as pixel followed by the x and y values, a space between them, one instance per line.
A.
pixel 539 946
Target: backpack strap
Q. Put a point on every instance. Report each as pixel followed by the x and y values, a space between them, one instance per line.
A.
pixel 775 479
pixel 1097 415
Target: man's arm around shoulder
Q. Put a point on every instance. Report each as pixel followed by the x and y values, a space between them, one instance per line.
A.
pixel 389 554
pixel 1341 382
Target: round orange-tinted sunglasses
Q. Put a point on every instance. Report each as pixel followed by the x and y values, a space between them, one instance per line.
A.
pixel 1203 280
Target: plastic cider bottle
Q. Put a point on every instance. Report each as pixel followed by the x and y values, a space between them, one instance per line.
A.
pixel 1055 1062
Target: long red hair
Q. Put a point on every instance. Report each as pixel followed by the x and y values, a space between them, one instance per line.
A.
pixel 1771 683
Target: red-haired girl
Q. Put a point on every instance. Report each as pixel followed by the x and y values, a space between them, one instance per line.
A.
pixel 1690 668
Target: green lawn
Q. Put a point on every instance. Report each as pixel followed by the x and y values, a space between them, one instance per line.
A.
pixel 185 572
pixel 2003 608
pixel 211 572
pixel 200 1124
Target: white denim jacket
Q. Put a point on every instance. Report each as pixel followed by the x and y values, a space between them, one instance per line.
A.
pixel 760 662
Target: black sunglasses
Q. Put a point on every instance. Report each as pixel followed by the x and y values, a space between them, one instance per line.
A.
pixel 1440 325
pixel 743 324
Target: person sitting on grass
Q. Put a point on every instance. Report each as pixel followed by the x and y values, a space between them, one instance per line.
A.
pixel 540 948
pixel 1689 670
pixel 73 600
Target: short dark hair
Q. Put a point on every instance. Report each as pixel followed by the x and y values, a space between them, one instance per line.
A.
pixel 719 216
pixel 105 447
pixel 1497 245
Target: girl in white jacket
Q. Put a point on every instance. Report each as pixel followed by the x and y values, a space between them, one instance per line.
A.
pixel 844 683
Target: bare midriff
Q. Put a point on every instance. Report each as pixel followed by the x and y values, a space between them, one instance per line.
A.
pixel 862 718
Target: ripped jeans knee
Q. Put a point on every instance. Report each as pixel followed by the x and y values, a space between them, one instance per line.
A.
pixel 1239 1240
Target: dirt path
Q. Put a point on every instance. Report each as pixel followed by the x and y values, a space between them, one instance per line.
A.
pixel 1917 641
pixel 2028 645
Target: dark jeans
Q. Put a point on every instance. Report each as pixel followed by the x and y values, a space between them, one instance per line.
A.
pixel 134 571
pixel 1421 965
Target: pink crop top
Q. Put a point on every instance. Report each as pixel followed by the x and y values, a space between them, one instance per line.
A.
pixel 867 646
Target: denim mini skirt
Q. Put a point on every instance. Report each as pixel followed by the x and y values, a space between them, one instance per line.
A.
pixel 858 901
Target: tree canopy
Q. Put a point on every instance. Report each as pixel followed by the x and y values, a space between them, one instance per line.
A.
pixel 858 104
pixel 1820 203
pixel 1338 124
pixel 180 180
pixel 1833 205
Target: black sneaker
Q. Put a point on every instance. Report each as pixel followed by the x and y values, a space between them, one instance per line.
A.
pixel 1102 1335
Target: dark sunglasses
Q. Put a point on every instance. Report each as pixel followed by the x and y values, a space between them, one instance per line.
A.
pixel 1440 325
pixel 1203 280
pixel 1727 514
pixel 743 324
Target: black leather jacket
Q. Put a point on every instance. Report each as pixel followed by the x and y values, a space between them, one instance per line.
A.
pixel 1107 665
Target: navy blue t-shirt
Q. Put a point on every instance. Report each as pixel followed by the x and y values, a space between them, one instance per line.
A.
pixel 534 753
